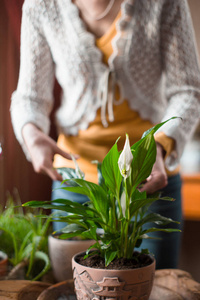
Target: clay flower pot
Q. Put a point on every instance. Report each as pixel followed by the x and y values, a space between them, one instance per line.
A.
pixel 94 284
pixel 61 253
pixel 3 263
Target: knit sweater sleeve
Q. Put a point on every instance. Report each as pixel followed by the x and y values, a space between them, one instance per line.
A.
pixel 33 99
pixel 182 76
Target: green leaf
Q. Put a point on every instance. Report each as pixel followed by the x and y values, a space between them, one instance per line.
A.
pixel 157 219
pixel 70 207
pixel 68 235
pixel 136 205
pixel 72 228
pixel 67 173
pixel 101 180
pixel 157 126
pixel 98 196
pixel 78 189
pixel 92 253
pixel 90 233
pixel 74 204
pixel 94 246
pixel 22 251
pixel 44 257
pixel 143 160
pixel 111 172
pixel 144 155
pixel 145 236
pixel 31 250
pixel 137 195
pixel 145 251
pixel 14 241
pixel 167 199
pixel 80 220
pixel 110 256
pixel 36 204
pixel 153 229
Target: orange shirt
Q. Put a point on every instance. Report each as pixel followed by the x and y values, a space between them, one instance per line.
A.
pixel 95 142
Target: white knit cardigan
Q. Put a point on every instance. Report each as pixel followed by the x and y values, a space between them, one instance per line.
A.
pixel 154 62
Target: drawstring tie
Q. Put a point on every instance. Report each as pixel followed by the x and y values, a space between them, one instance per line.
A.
pixel 106 94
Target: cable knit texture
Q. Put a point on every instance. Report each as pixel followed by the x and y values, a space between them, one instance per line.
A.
pixel 154 62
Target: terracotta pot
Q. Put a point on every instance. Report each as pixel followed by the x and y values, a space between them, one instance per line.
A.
pixel 3 263
pixel 94 284
pixel 61 253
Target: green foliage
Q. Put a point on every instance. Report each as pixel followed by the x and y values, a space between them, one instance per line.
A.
pixel 116 210
pixel 24 238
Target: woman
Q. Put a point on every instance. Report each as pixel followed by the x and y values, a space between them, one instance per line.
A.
pixel 123 66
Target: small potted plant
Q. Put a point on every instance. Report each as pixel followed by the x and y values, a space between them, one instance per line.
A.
pixel 23 238
pixel 114 217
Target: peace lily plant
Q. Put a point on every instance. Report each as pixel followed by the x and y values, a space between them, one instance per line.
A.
pixel 116 209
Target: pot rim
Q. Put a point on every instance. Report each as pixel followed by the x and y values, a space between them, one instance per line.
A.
pixel 114 270
pixel 52 237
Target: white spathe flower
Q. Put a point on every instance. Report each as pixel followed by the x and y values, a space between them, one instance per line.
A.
pixel 125 159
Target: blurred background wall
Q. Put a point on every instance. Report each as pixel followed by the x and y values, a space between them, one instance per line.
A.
pixel 16 173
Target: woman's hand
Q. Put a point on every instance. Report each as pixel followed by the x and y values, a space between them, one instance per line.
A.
pixel 158 178
pixel 42 149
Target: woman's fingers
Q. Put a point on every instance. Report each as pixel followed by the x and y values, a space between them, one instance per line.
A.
pixel 66 155
pixel 53 174
pixel 42 149
pixel 155 182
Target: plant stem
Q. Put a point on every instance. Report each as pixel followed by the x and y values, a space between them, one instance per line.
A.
pixel 122 238
pixel 114 213
pixel 134 229
pixel 126 238
pixel 120 207
pixel 127 220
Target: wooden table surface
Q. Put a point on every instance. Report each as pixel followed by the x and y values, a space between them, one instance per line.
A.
pixel 21 289
pixel 169 284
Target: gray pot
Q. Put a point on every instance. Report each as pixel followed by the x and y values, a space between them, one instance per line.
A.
pixel 61 253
